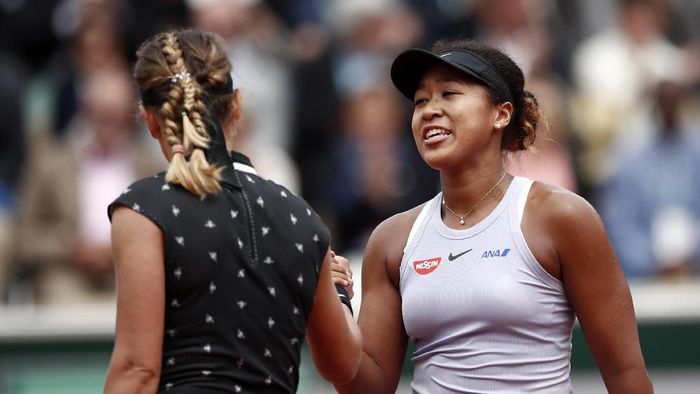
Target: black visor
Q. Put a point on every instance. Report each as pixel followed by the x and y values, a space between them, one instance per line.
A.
pixel 408 68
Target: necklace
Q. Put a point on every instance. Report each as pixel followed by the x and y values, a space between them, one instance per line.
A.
pixel 461 217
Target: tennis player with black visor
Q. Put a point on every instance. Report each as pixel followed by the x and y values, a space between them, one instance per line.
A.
pixel 488 276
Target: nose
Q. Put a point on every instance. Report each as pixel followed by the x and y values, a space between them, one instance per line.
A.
pixel 431 109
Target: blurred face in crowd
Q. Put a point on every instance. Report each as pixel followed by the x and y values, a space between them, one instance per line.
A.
pixel 108 107
pixel 373 113
pixel 642 20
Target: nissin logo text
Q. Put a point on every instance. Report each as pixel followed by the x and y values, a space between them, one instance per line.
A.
pixel 424 267
pixel 495 253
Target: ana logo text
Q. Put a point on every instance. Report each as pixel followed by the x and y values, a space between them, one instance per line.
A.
pixel 495 253
pixel 424 267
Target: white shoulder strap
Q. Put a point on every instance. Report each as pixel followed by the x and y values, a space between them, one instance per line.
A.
pixel 522 199
pixel 419 220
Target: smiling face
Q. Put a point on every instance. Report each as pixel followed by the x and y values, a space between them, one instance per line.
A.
pixel 454 120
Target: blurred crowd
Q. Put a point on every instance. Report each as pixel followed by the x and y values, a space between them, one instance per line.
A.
pixel 617 79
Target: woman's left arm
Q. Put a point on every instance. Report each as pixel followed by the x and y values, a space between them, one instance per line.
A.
pixel 598 292
pixel 137 244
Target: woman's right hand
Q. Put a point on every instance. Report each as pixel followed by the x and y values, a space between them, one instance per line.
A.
pixel 341 273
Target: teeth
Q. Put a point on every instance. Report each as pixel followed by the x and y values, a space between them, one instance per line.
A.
pixel 436 132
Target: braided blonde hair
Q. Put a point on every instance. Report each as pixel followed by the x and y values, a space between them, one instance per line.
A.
pixel 180 66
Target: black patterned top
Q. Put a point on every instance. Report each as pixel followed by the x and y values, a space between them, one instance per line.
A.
pixel 240 275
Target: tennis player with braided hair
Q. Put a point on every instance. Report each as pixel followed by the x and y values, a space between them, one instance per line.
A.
pixel 221 274
pixel 487 277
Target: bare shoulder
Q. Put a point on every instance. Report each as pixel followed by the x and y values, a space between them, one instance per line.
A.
pixel 388 240
pixel 396 228
pixel 560 227
pixel 557 206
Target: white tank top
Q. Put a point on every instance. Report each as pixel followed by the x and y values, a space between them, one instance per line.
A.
pixel 483 313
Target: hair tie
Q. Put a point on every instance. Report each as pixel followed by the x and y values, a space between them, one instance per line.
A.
pixel 181 76
pixel 177 148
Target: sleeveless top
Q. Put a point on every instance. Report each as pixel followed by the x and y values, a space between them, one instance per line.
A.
pixel 483 313
pixel 241 269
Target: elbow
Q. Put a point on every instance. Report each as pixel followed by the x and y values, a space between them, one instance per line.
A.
pixel 340 375
pixel 346 369
pixel 132 378
pixel 343 369
pixel 145 376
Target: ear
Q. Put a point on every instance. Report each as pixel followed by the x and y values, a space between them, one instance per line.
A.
pixel 236 106
pixel 152 122
pixel 504 111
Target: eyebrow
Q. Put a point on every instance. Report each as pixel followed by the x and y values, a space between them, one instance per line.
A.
pixel 442 80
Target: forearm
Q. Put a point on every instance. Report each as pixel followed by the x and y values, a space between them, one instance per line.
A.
pixel 370 378
pixel 354 345
pixel 631 380
pixel 336 360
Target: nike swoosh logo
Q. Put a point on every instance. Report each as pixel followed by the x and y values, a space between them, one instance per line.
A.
pixel 455 257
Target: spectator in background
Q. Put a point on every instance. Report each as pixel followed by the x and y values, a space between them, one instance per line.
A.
pixel 12 150
pixel 652 202
pixel 614 71
pixel 95 44
pixel 550 159
pixel 362 38
pixel 64 236
pixel 271 161
pixel 375 171
pixel 257 39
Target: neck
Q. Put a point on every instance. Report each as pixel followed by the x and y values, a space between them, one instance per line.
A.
pixel 463 192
